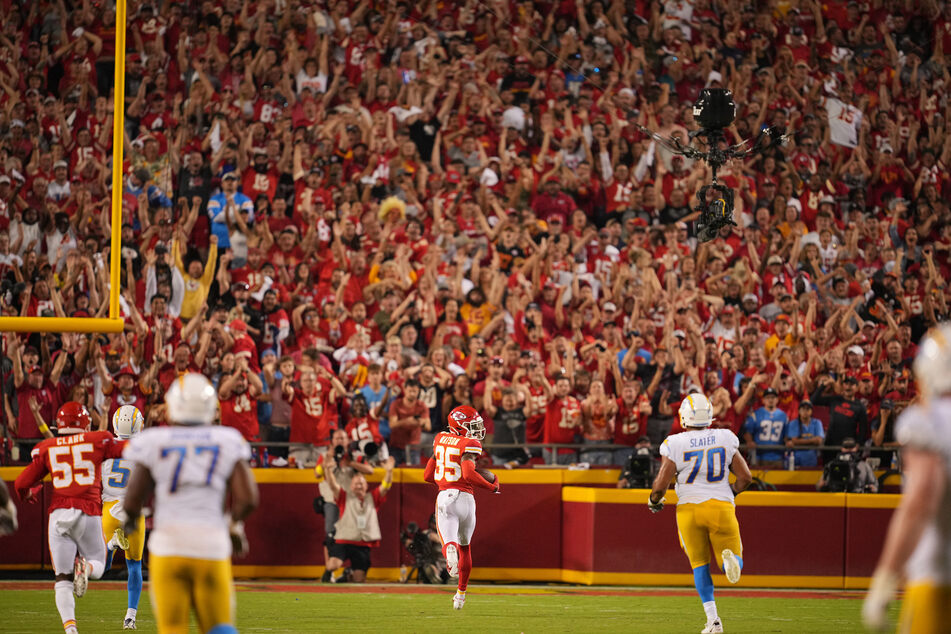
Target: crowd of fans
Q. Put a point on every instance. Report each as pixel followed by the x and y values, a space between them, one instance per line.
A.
pixel 540 263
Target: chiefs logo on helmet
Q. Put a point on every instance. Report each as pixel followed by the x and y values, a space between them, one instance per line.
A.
pixel 73 418
pixel 466 421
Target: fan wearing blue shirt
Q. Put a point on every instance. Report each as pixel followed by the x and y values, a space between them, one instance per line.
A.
pixel 229 201
pixel 805 431
pixel 766 426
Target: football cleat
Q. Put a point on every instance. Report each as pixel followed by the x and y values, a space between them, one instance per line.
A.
pixel 731 566
pixel 452 560
pixel 459 600
pixel 128 623
pixel 121 540
pixel 712 627
pixel 80 576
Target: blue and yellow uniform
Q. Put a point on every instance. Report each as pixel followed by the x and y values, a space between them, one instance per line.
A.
pixel 705 512
pixel 115 479
pixel 190 543
pixel 926 606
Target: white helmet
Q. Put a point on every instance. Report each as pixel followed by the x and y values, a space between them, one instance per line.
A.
pixel 191 400
pixel 933 362
pixel 127 422
pixel 696 411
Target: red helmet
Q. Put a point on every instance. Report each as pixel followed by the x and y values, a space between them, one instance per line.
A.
pixel 466 421
pixel 73 418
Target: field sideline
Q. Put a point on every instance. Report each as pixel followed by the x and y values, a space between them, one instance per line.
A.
pixel 28 607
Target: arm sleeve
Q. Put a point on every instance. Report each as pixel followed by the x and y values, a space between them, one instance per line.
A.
pixel 429 473
pixel 473 477
pixel 209 274
pixel 33 473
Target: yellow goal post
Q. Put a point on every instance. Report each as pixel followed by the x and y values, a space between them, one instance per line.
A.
pixel 112 323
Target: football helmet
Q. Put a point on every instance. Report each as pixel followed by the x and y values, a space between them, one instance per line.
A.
pixel 191 400
pixel 127 422
pixel 696 411
pixel 466 421
pixel 933 362
pixel 73 418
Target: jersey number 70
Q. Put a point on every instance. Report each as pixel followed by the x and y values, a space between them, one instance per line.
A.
pixel 716 468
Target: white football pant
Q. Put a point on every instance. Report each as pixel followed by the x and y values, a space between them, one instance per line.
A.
pixel 71 530
pixel 455 516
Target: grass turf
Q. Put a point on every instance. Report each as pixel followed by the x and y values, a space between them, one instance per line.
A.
pixel 487 609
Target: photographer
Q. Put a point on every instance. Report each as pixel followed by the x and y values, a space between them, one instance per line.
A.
pixel 358 529
pixel 641 469
pixel 343 465
pixel 425 548
pixel 848 472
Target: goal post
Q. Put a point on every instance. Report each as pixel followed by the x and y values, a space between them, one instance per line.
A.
pixel 112 323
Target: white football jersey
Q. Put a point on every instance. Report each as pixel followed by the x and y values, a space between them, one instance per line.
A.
pixel 702 458
pixel 928 427
pixel 191 467
pixel 115 479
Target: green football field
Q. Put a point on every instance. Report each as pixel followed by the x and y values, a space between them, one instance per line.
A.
pixel 278 607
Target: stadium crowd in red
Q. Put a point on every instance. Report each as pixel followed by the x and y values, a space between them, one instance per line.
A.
pixel 542 265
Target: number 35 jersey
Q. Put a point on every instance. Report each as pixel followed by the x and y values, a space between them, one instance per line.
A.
pixel 191 467
pixel 73 463
pixel 702 458
pixel 448 450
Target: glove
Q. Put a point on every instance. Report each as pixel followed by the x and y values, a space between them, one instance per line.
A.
pixel 8 519
pixel 498 486
pixel 239 541
pixel 658 507
pixel 880 594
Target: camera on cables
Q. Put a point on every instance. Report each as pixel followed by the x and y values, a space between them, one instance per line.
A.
pixel 714 111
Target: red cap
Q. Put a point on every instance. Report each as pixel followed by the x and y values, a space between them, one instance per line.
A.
pixel 34 368
pixel 865 376
pixel 237 324
pixel 127 371
pixel 453 176
pixel 783 317
pixel 640 222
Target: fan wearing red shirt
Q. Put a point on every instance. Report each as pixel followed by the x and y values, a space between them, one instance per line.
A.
pixel 259 178
pixel 364 425
pixel 238 394
pixel 73 459
pixel 31 385
pixel 631 422
pixel 408 417
pixel 312 419
pixel 562 422
pixel 126 390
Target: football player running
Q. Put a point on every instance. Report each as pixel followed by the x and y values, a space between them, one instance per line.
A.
pixel 452 468
pixel 918 544
pixel 126 423
pixel 75 526
pixel 700 458
pixel 190 467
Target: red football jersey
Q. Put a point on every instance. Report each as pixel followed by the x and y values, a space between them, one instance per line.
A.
pixel 73 461
pixel 364 428
pixel 448 450
pixel 562 421
pixel 241 412
pixel 631 423
pixel 310 416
